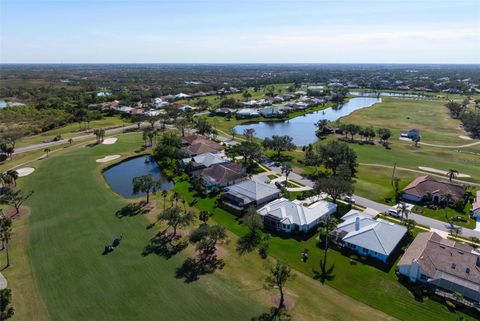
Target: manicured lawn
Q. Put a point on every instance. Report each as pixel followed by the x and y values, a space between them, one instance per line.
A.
pixel 363 282
pixel 430 117
pixel 71 130
pixel 73 217
pixel 442 214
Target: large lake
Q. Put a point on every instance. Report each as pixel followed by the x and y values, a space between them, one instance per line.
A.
pixel 120 176
pixel 302 128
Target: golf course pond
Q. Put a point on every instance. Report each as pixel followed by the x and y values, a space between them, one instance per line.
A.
pixel 120 176
pixel 302 128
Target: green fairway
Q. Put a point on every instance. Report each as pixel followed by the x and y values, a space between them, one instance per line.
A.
pixel 73 217
pixel 430 117
pixel 71 130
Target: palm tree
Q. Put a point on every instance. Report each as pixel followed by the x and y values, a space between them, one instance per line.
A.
pixel 286 170
pixel 47 150
pixel 403 210
pixel 13 175
pixel 70 141
pixel 452 173
pixel 329 225
pixel 164 195
pixel 5 234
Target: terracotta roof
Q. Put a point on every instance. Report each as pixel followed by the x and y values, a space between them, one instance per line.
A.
pixel 222 173
pixel 436 254
pixel 423 185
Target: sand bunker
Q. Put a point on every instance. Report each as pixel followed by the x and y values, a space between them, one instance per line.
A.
pixel 439 171
pixel 108 158
pixel 25 171
pixel 465 137
pixel 110 141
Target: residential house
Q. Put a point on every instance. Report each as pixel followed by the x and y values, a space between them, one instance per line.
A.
pixel 136 111
pixel 222 112
pixel 411 134
pixel 442 264
pixel 248 193
pixel 125 109
pixel 204 160
pixel 476 206
pixel 196 145
pixel 221 175
pixel 185 108
pixel 293 216
pixel 247 113
pixel 426 188
pixel 182 96
pixel 271 112
pixel 369 237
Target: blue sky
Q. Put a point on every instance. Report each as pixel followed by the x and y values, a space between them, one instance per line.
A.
pixel 227 31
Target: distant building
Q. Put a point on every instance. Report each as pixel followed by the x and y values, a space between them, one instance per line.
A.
pixel 426 188
pixel 442 264
pixel 247 113
pixel 271 112
pixel 292 216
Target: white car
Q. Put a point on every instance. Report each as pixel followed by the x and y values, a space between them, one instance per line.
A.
pixel 394 212
pixel 349 199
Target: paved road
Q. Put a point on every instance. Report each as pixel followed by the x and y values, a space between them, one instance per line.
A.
pixel 24 149
pixel 420 219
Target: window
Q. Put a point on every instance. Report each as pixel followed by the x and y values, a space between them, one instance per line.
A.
pixel 365 250
pixel 423 277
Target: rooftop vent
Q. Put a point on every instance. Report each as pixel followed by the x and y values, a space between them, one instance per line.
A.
pixel 453 265
pixel 467 270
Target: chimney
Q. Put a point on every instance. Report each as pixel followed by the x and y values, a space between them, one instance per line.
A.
pixel 357 223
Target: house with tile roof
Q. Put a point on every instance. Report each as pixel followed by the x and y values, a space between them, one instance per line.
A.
pixel 293 216
pixel 426 188
pixel 196 145
pixel 240 196
pixel 443 264
pixel 221 175
pixel 363 234
pixel 204 160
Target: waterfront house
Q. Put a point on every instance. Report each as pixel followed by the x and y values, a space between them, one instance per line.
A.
pixel 221 175
pixel 293 216
pixel 247 113
pixel 204 160
pixel 240 196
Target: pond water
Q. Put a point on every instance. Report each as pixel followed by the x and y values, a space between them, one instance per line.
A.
pixel 4 104
pixel 386 94
pixel 302 128
pixel 120 176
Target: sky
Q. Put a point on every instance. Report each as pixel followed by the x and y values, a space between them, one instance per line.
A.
pixel 227 31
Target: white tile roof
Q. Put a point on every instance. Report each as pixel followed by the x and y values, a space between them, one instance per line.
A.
pixel 207 159
pixel 295 213
pixel 376 235
pixel 253 190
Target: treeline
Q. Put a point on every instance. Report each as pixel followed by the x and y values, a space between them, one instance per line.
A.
pixel 470 118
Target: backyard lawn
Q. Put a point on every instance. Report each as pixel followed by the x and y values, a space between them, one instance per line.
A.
pixel 363 282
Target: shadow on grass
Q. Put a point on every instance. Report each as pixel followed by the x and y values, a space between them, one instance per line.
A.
pixel 324 274
pixel 162 244
pixel 192 269
pixel 275 314
pixel 132 210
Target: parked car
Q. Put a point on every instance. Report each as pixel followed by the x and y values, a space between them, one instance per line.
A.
pixel 349 199
pixel 393 212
